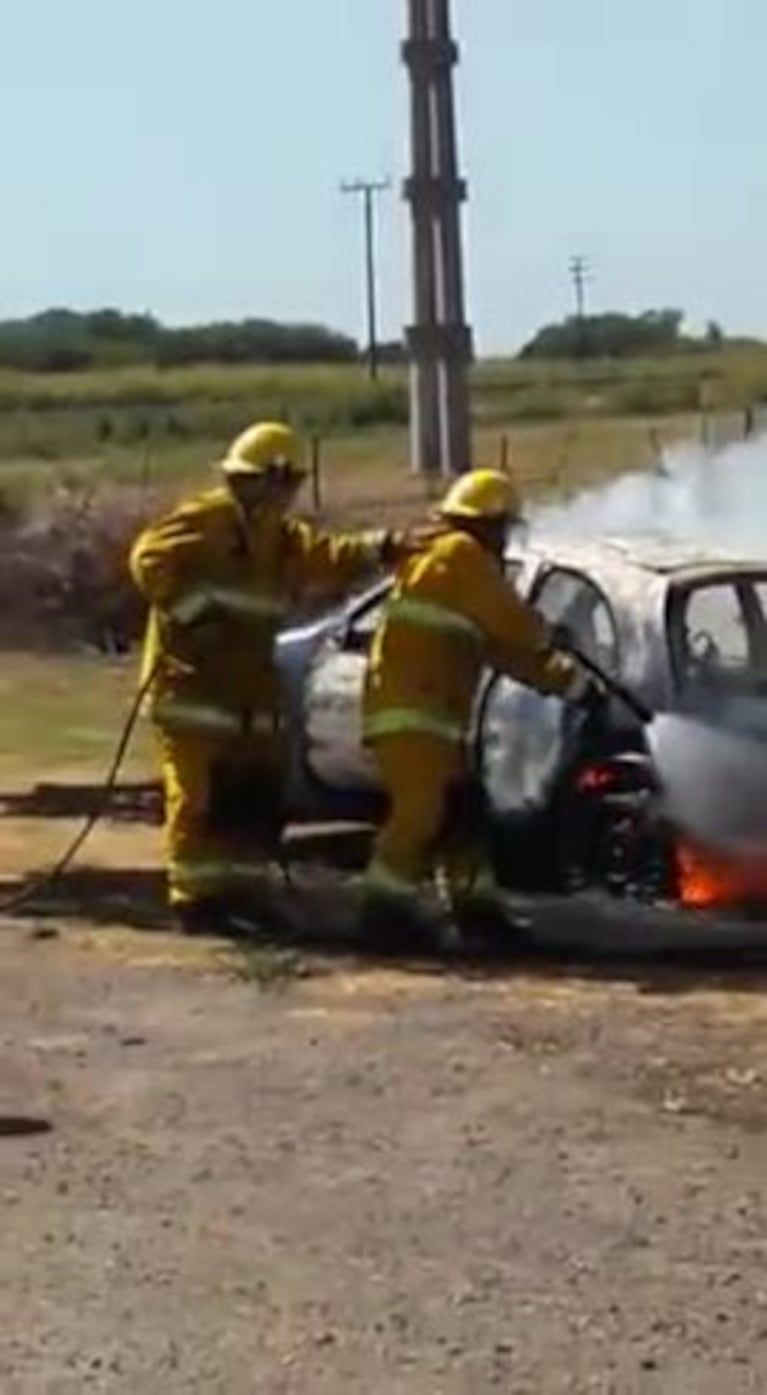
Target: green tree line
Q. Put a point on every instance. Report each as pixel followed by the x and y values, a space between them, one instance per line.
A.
pixel 615 335
pixel 65 341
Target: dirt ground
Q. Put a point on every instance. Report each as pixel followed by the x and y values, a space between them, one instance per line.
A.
pixel 374 1181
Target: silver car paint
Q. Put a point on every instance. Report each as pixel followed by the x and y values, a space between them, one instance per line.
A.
pixel 636 577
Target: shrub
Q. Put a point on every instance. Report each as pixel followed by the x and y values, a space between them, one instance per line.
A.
pixel 64 579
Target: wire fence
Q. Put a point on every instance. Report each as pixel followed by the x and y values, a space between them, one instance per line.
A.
pixel 563 456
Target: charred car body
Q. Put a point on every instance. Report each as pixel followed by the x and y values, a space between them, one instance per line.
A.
pixel 570 803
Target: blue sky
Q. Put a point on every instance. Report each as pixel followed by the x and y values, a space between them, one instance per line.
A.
pixel 183 156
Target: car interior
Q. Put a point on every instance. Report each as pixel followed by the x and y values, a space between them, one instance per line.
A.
pixel 718 637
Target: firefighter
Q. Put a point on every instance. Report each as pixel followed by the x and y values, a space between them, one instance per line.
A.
pixel 451 612
pixel 220 573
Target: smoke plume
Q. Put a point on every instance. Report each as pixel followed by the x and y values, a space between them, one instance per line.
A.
pixel 715 499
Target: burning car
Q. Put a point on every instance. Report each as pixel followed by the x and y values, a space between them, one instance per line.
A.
pixel 571 803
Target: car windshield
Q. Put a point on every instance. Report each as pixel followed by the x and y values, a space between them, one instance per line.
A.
pixel 718 637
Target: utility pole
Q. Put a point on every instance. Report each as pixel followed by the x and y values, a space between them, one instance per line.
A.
pixel 439 338
pixel 367 189
pixel 580 271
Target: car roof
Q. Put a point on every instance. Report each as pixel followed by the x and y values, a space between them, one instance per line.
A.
pixel 654 556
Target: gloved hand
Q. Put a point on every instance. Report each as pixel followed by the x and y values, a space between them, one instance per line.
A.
pixel 594 701
pixel 399 544
pixel 562 637
pixel 191 609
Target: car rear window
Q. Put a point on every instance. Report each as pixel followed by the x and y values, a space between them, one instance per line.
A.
pixel 719 635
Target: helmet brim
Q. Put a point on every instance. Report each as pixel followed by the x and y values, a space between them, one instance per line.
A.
pixel 233 468
pixel 241 468
pixel 477 515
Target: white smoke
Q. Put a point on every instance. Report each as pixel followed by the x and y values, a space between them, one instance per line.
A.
pixel 710 498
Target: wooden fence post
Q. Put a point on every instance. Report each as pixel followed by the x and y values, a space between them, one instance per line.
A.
pixel 316 473
pixel 705 430
pixel 145 486
pixel 657 443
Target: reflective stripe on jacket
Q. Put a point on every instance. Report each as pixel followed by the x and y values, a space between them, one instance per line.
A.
pixel 219 585
pixel 452 611
pixel 203 717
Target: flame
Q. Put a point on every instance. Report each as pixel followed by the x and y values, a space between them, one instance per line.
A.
pixel 707 879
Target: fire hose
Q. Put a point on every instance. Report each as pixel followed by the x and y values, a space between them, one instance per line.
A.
pixel 613 686
pixel 45 879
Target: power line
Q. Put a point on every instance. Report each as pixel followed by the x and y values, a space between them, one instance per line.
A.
pixel 367 190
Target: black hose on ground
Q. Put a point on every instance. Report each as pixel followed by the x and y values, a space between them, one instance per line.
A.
pixel 45 880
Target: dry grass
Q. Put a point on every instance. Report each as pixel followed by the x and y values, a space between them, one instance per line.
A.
pixel 60 720
pixel 369 480
pixel 64 711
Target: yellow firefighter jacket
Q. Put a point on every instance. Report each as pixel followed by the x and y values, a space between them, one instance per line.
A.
pixel 218 587
pixel 452 611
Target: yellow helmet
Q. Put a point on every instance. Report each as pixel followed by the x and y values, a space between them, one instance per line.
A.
pixel 482 494
pixel 261 445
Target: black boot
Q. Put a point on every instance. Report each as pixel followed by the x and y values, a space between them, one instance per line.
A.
pixel 486 923
pixel 395 927
pixel 217 917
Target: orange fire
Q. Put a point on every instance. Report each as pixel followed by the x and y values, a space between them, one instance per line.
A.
pixel 707 879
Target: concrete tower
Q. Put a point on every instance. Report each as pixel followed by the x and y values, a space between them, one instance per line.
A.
pixel 439 338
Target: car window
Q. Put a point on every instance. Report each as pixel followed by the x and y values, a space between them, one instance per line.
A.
pixel 718 636
pixel 568 598
pixel 513 568
pixel 715 627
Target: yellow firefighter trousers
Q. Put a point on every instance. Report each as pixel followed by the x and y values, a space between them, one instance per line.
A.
pixel 421 774
pixel 202 862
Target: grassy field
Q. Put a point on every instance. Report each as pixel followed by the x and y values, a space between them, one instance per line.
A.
pixel 63 712
pixel 565 423
pixel 560 422
pixel 87 458
pixel 60 720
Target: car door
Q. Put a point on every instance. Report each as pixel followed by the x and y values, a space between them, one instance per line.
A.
pixel 524 735
pixel 335 755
